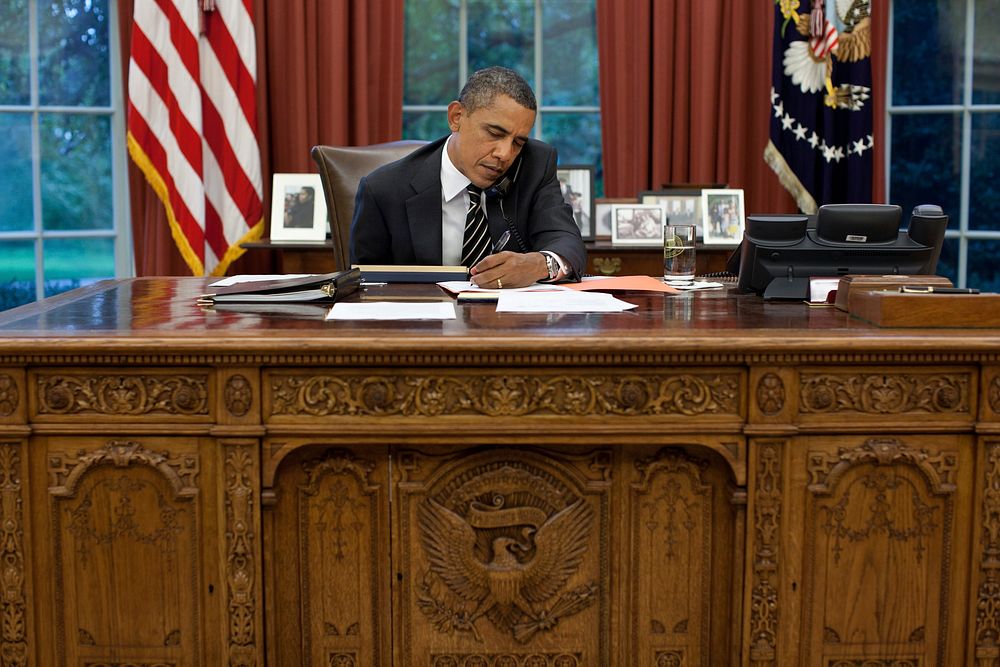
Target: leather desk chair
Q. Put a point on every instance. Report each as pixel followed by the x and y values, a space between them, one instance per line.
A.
pixel 340 170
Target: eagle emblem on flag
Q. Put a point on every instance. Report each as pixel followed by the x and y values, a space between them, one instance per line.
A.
pixel 821 138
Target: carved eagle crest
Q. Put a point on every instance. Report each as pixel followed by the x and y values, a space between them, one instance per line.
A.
pixel 523 567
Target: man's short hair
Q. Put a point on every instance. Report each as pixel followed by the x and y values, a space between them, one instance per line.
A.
pixel 486 84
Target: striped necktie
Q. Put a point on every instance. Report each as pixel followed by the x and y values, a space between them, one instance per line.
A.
pixel 476 243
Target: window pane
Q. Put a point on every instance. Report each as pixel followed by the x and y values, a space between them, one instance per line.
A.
pixel 14 65
pixel 71 263
pixel 926 162
pixel 15 160
pixel 577 136
pixel 17 273
pixel 431 52
pixel 984 188
pixel 427 125
pixel 502 33
pixel 928 44
pixel 76 171
pixel 73 56
pixel 986 54
pixel 983 270
pixel 569 54
pixel 948 261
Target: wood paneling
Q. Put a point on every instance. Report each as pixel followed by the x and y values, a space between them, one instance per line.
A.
pixel 117 527
pixel 328 570
pixel 884 553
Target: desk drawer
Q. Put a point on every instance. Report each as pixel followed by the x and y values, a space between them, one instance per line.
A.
pixel 604 259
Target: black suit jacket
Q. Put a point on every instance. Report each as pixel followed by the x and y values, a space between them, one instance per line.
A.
pixel 397 210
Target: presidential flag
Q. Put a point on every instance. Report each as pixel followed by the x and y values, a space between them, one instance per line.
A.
pixel 821 122
pixel 192 123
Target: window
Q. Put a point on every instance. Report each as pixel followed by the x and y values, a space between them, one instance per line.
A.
pixel 553 45
pixel 944 127
pixel 62 194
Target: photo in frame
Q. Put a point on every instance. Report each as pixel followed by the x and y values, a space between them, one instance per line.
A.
pixel 298 209
pixel 576 182
pixel 602 214
pixel 722 216
pixel 637 224
pixel 683 207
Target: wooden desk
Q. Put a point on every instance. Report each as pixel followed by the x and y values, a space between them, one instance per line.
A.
pixel 707 479
pixel 603 258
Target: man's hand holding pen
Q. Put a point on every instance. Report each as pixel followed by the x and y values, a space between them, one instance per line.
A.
pixel 509 269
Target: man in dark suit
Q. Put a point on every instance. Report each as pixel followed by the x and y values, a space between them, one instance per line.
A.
pixel 414 210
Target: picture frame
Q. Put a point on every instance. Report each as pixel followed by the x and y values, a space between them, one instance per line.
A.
pixel 602 214
pixel 683 206
pixel 576 182
pixel 298 208
pixel 637 224
pixel 723 219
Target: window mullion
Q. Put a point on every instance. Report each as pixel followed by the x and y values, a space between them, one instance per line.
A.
pixel 463 44
pixel 539 92
pixel 36 149
pixel 121 214
pixel 966 163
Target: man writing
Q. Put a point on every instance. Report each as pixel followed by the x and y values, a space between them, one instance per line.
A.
pixel 452 201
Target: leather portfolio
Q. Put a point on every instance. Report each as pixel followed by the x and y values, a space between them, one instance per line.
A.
pixel 328 287
pixel 407 273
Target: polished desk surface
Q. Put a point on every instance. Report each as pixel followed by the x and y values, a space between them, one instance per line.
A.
pixel 149 313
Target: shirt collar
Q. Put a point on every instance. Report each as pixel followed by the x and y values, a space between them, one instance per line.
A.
pixel 453 182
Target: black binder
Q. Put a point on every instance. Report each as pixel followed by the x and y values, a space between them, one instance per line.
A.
pixel 328 287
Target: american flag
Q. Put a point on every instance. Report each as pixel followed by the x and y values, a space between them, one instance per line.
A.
pixel 192 123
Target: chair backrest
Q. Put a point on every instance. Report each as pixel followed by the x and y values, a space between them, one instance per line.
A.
pixel 341 168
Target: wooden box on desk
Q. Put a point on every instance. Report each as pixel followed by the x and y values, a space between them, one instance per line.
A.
pixel 900 309
pixel 850 286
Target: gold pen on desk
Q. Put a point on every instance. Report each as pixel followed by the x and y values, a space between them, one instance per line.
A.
pixel 931 289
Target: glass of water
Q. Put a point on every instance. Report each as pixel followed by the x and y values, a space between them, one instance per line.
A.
pixel 678 253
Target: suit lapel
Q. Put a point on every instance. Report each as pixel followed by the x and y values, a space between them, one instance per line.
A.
pixel 423 211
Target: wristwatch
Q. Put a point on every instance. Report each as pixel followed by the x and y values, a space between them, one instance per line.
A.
pixel 552 265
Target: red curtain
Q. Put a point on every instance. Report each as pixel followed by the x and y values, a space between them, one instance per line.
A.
pixel 880 58
pixel 685 88
pixel 328 71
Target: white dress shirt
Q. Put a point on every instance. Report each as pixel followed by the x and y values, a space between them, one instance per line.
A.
pixel 454 209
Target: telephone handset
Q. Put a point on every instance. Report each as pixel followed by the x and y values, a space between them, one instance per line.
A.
pixel 498 191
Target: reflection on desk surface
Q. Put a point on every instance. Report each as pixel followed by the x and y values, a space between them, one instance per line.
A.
pixel 165 309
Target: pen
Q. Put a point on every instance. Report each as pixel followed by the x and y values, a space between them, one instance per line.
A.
pixel 931 289
pixel 501 242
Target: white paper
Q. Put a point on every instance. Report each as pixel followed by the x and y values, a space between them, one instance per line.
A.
pixel 249 278
pixel 393 310
pixel 456 286
pixel 697 284
pixel 569 301
pixel 820 288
